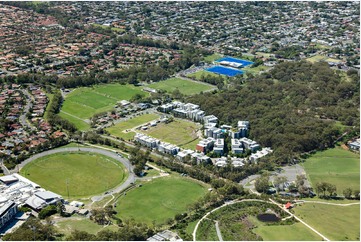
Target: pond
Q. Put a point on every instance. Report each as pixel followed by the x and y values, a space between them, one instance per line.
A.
pixel 268 217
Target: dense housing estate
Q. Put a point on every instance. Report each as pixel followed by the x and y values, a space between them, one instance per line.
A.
pixel 214 137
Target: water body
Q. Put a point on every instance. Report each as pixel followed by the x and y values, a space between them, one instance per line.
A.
pixel 268 217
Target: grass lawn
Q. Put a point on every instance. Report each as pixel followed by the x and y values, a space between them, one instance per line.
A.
pixel 80 223
pixel 335 222
pixel 333 60
pixel 213 57
pixel 112 28
pixel 263 54
pixel 159 199
pixel 178 132
pixel 336 166
pixel 197 75
pixel 186 87
pixel 117 129
pixel 191 145
pixel 50 97
pixel 316 58
pixel 293 232
pixel 207 231
pixel 255 70
pixel 190 227
pixel 87 173
pixel 79 123
pixel 84 102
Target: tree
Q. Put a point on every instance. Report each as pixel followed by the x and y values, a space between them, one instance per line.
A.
pixel 320 187
pixel 98 216
pixel 347 193
pixel 47 211
pixel 279 181
pixel 32 230
pixel 77 235
pixel 262 183
pixel 331 189
pixel 356 193
pixel 60 208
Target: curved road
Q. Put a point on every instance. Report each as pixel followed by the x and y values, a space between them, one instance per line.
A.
pixel 258 200
pixel 223 205
pixel 131 177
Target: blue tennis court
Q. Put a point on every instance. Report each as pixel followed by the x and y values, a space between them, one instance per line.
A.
pixel 231 59
pixel 224 71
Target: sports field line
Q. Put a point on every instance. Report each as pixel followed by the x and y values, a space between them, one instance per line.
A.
pixel 107 96
pixel 84 120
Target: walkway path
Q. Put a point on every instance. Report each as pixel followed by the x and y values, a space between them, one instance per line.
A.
pixel 297 218
pixel 255 200
pixel 226 204
pixel 320 202
pixel 218 232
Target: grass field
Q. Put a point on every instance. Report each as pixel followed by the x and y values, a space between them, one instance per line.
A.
pixel 293 232
pixel 334 222
pixel 84 102
pixel 159 199
pixel 50 97
pixel 207 231
pixel 263 54
pixel 316 58
pixel 87 173
pixel 191 145
pixel 255 70
pixel 178 132
pixel 336 166
pixel 80 223
pixel 197 75
pixel 112 28
pixel 213 57
pixel 78 122
pixel 186 87
pixel 117 130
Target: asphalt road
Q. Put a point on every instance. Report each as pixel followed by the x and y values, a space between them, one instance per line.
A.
pixel 131 177
pixel 22 118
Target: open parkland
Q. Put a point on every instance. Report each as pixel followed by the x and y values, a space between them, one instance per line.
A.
pixel 158 196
